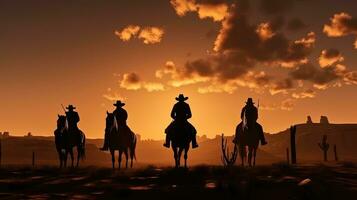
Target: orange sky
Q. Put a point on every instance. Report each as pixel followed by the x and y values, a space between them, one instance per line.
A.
pixel 53 53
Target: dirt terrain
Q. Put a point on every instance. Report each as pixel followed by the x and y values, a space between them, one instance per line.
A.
pixel 277 181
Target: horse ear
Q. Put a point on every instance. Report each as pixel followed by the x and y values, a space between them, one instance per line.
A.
pixel 107 113
pixel 58 115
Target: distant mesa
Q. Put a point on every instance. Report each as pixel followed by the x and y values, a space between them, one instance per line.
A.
pixel 309 120
pixel 5 134
pixel 323 120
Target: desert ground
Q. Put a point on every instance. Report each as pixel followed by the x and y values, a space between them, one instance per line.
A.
pixel 276 181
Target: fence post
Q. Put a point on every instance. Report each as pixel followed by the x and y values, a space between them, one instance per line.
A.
pixel 293 144
pixel 335 151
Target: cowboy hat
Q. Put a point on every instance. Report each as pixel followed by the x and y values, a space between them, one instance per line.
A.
pixel 119 103
pixel 70 107
pixel 249 101
pixel 181 97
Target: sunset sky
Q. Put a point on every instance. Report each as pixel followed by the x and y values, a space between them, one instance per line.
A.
pixel 297 57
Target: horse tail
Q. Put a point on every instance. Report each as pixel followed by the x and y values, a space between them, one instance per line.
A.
pixel 133 147
pixel 82 146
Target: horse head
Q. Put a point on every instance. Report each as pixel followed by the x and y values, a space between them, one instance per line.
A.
pixel 111 122
pixel 61 121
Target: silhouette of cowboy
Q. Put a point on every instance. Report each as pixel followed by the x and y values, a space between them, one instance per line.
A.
pixel 249 116
pixel 180 113
pixel 121 116
pixel 72 119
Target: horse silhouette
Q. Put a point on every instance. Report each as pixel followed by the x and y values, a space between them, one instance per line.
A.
pixel 248 137
pixel 120 138
pixel 66 140
pixel 180 142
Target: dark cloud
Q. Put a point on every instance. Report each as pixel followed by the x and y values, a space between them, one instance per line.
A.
pixel 281 86
pixel 315 74
pixel 238 35
pixel 272 7
pixel 295 24
pixel 132 81
pixel 211 2
pixel 276 6
pixel 239 48
pixel 243 46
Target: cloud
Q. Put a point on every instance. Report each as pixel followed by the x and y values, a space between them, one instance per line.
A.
pixel 309 93
pixel 258 42
pixel 286 105
pixel 128 32
pixel 264 31
pixel 183 6
pixel 323 78
pixel 245 46
pixel 149 35
pixel 215 9
pixel 316 75
pixel 152 86
pixel 240 47
pixel 329 57
pixel 281 86
pixel 132 81
pixel 113 97
pixel 350 78
pixel 341 24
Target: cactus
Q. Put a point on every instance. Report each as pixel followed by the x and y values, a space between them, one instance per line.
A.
pixel 228 158
pixel 324 146
pixel 293 144
pixel 335 151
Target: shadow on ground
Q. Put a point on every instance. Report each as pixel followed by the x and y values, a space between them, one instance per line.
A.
pixel 278 181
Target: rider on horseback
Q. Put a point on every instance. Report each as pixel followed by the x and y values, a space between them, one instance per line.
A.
pixel 72 119
pixel 249 115
pixel 121 116
pixel 181 112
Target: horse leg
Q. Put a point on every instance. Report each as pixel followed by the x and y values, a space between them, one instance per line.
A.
pixel 242 155
pixel 60 158
pixel 78 156
pixel 72 157
pixel 175 156
pixel 131 160
pixel 65 158
pixel 179 156
pixel 119 158
pixel 112 152
pixel 254 155
pixel 250 154
pixel 126 158
pixel 185 156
